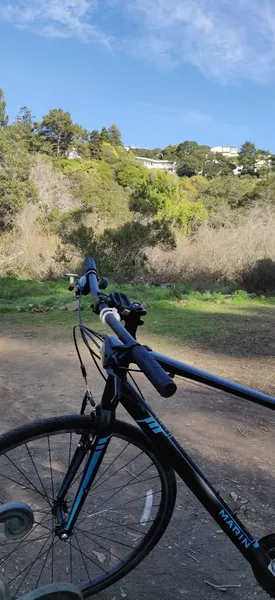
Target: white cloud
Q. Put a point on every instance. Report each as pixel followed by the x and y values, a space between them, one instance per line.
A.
pixel 225 39
pixel 56 18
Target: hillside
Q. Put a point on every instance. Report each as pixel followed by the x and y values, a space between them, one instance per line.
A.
pixel 203 225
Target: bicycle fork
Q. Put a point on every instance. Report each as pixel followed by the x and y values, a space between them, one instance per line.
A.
pixel 96 448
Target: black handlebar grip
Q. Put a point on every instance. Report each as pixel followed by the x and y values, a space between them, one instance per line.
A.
pixel 153 371
pixel 89 264
pixel 91 271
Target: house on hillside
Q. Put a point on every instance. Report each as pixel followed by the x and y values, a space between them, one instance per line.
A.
pixel 152 163
pixel 228 151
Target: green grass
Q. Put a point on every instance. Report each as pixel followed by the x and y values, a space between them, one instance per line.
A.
pixel 176 314
pixel 20 295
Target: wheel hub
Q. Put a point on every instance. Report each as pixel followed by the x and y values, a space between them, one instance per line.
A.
pixel 60 511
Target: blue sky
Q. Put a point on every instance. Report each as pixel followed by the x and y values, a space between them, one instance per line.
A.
pixel 163 70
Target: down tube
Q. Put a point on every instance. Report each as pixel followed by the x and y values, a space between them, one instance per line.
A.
pixel 173 453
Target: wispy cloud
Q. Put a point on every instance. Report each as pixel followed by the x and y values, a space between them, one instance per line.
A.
pixel 196 118
pixel 56 18
pixel 223 38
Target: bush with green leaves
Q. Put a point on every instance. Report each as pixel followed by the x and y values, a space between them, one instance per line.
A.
pixel 94 185
pixel 162 197
pixel 15 165
pixel 132 176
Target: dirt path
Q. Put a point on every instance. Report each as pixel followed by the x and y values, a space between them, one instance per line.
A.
pixel 231 440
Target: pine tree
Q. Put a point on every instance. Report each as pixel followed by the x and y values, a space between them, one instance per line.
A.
pixel 114 136
pixel 104 135
pixel 58 129
pixel 95 144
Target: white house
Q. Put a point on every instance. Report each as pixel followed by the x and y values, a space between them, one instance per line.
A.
pixel 228 151
pixel 151 163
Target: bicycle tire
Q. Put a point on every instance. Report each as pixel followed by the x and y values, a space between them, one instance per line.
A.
pixel 27 435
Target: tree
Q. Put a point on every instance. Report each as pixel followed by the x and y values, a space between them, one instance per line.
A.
pixel 104 135
pixel 114 136
pixel 188 166
pixel 216 166
pixel 24 116
pixel 224 197
pixel 132 175
pixel 170 152
pixel 186 148
pixel 248 157
pixel 156 153
pixel 162 198
pixel 190 158
pixel 58 129
pixel 4 119
pixel 80 133
pixel 25 127
pixel 15 164
pixel 95 145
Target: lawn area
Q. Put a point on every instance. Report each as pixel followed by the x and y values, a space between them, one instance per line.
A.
pixel 236 324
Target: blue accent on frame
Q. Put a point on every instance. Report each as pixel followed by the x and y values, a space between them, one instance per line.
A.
pixel 97 453
pixel 104 440
pixel 155 426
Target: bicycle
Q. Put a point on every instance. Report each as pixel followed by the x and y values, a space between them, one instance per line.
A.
pixel 103 491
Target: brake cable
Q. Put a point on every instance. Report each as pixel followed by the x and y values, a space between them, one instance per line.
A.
pixel 86 333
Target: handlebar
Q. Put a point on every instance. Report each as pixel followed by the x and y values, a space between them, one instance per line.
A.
pixel 140 355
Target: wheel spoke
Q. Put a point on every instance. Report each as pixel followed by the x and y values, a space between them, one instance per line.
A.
pixel 35 468
pixel 43 566
pixel 70 450
pixel 27 479
pixel 50 457
pixel 114 541
pixel 116 524
pixel 98 544
pixel 115 473
pixel 82 557
pixel 21 542
pixel 71 561
pixel 29 566
pixel 122 487
pixel 52 566
pixel 137 480
pixel 25 487
pixel 89 558
pixel 109 466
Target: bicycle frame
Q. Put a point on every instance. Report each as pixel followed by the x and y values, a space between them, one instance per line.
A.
pixel 120 390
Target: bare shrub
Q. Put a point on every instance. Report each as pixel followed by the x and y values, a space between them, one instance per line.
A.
pixel 26 251
pixel 240 255
pixel 216 255
pixel 54 189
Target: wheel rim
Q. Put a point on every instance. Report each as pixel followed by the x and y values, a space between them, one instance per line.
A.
pixel 118 517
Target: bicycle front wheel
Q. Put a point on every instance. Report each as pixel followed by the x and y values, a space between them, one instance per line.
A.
pixel 126 511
